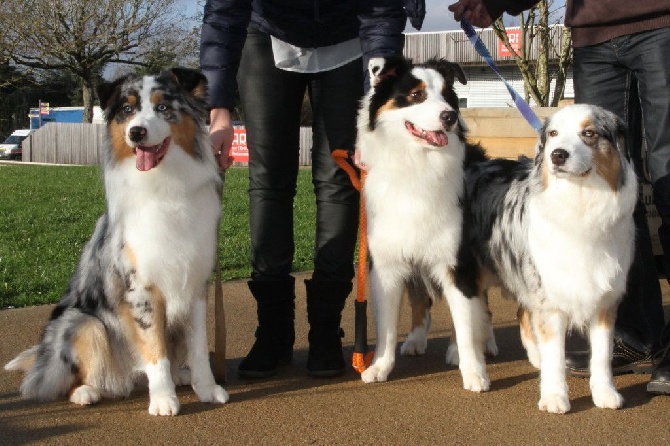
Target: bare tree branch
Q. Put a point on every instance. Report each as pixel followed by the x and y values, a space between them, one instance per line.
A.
pixel 83 36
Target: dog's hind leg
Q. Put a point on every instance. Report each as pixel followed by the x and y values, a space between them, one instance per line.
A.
pixel 469 315
pixel 202 379
pixel 601 332
pixel 550 328
pixel 417 338
pixel 386 294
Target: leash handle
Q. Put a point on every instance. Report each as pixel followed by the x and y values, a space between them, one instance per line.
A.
pixel 361 358
pixel 522 105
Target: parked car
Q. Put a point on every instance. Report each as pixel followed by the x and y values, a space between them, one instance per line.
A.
pixel 11 148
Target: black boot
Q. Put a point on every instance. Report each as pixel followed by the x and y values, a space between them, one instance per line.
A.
pixel 275 333
pixel 325 301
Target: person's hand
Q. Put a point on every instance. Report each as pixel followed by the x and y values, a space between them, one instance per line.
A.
pixel 473 11
pixel 221 131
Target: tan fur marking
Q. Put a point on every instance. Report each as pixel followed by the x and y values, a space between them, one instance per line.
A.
pixel 94 356
pixel 155 346
pixel 420 307
pixel 525 327
pixel 156 98
pixel 389 105
pixel 545 173
pixel 151 343
pixel 183 134
pixel 130 256
pixel 200 90
pixel 120 149
pixel 544 331
pixel 606 317
pixel 607 162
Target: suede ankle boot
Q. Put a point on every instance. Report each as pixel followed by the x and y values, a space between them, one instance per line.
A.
pixel 275 333
pixel 325 301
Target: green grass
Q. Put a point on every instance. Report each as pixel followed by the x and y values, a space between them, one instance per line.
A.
pixel 47 214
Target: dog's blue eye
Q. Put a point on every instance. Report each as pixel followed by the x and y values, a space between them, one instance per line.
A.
pixel 128 109
pixel 161 107
pixel 589 133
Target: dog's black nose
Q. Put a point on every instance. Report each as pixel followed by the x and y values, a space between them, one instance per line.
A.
pixel 137 133
pixel 559 156
pixel 449 117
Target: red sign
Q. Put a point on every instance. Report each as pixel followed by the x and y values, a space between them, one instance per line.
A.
pixel 514 37
pixel 239 149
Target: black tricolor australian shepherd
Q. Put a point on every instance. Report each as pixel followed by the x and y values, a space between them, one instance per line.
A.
pixel 556 233
pixel 137 301
pixel 411 141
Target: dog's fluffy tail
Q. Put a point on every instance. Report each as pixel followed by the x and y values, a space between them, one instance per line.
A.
pixel 24 361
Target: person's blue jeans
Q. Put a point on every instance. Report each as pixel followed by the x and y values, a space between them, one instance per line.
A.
pixel 271 100
pixel 605 75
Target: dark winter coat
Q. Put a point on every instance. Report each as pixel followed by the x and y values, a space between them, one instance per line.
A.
pixel 304 23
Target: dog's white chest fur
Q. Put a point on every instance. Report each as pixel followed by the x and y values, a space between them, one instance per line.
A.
pixel 169 222
pixel 586 241
pixel 408 199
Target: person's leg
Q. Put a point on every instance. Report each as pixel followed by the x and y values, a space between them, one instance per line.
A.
pixel 601 78
pixel 271 99
pixel 650 52
pixel 334 96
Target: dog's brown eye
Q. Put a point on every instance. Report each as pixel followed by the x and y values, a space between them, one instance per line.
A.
pixel 552 133
pixel 418 95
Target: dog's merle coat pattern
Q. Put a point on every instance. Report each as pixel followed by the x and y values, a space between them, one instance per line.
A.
pixel 557 234
pixel 137 300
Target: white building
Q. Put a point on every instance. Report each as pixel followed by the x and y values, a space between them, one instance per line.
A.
pixel 484 87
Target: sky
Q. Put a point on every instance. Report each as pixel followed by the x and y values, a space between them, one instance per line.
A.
pixel 438 17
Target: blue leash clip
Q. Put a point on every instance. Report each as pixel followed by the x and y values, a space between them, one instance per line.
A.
pixel 522 105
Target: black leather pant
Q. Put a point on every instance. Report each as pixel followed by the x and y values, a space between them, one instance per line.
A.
pixel 606 74
pixel 272 99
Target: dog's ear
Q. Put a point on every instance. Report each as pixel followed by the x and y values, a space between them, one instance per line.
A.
pixel 452 71
pixel 382 68
pixel 106 91
pixel 192 81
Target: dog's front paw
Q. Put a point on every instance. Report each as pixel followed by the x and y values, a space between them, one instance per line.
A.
pixel 85 395
pixel 476 382
pixel 607 397
pixel 212 394
pixel 376 373
pixel 554 403
pixel 166 405
pixel 414 345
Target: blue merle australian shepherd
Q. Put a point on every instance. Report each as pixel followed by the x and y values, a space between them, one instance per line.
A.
pixel 136 303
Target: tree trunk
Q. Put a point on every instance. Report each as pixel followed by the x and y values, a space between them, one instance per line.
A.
pixel 88 98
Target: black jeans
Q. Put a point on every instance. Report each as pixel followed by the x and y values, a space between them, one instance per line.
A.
pixel 272 100
pixel 604 74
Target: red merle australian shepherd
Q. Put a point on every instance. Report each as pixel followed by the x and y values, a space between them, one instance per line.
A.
pixel 556 233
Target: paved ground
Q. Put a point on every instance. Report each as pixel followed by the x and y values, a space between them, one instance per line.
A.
pixel 423 402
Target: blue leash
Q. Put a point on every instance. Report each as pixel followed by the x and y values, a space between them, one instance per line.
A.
pixel 522 105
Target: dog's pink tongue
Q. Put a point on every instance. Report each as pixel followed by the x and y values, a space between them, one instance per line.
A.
pixel 437 138
pixel 146 158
